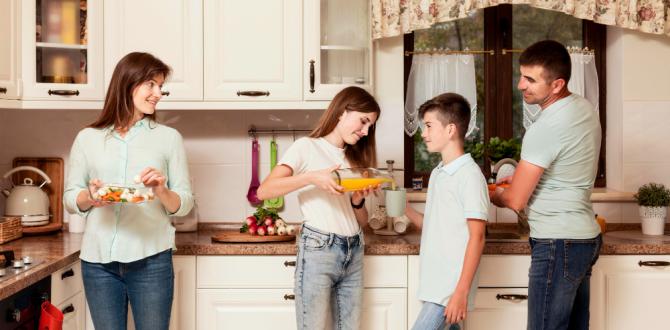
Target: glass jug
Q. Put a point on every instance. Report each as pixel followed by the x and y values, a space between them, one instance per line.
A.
pixel 360 178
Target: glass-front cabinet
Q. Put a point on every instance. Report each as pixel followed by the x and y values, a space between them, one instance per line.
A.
pixel 61 49
pixel 337 47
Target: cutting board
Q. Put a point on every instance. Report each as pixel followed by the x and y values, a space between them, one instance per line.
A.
pixel 53 167
pixel 233 236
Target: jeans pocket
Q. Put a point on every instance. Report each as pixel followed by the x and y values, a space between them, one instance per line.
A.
pixel 313 243
pixel 579 257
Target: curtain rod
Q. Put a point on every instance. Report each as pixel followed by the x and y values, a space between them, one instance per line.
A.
pixel 504 51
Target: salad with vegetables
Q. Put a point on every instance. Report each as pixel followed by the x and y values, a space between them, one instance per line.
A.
pixel 122 194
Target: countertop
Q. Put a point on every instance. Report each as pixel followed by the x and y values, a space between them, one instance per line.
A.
pixel 599 195
pixel 62 249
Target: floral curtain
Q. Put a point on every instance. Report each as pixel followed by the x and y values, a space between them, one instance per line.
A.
pixel 395 17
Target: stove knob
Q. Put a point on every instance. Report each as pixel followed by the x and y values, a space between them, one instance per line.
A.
pixel 16 315
pixel 27 260
pixel 17 263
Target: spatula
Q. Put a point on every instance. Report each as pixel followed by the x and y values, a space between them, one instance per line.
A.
pixel 255 183
pixel 273 203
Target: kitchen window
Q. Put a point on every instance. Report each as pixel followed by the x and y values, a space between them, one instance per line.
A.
pixel 503 29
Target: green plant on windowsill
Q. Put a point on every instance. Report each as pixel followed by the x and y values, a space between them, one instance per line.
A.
pixel 653 195
pixel 653 199
pixel 498 149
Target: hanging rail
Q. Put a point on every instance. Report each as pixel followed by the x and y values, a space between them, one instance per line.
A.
pixel 253 131
pixel 571 50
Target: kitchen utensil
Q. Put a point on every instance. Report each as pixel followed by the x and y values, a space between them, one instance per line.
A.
pixel 273 203
pixel 53 167
pixel 234 236
pixel 27 200
pixel 255 183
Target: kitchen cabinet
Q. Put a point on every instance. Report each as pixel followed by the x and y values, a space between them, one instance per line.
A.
pixel 74 312
pixel 252 50
pixel 630 292
pixel 9 61
pixel 173 33
pixel 67 294
pixel 338 47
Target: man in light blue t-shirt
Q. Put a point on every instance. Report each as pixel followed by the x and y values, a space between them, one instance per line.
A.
pixel 553 182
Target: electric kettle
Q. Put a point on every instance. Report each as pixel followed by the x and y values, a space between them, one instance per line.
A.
pixel 27 200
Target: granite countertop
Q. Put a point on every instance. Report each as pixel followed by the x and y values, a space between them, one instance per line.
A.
pixel 62 249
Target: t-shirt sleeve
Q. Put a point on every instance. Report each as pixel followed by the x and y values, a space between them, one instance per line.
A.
pixel 296 155
pixel 476 197
pixel 540 146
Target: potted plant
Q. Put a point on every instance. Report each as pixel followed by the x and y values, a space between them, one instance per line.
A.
pixel 653 199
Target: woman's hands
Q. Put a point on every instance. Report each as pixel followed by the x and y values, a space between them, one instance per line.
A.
pixel 323 179
pixel 154 179
pixel 88 198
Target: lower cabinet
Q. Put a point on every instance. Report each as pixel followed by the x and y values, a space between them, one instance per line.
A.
pixel 67 294
pixel 74 312
pixel 498 308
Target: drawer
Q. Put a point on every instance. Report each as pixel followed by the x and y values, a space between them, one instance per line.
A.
pixel 66 282
pixel 278 271
pixel 499 308
pixel 74 312
pixel 504 271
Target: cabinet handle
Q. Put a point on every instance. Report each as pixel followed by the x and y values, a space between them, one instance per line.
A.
pixel 311 76
pixel 64 92
pixel 653 263
pixel 511 296
pixel 165 93
pixel 289 297
pixel 253 93
pixel 66 274
pixel 3 90
pixel 68 309
pixel 289 263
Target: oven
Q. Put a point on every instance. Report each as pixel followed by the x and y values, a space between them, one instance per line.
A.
pixel 21 311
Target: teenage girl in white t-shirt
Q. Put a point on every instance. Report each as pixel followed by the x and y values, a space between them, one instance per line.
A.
pixel 329 269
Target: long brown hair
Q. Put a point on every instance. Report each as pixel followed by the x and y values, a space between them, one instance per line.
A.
pixel 131 71
pixel 364 152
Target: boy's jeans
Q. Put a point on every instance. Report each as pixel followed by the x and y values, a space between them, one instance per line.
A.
pixel 432 317
pixel 328 278
pixel 147 283
pixel 558 286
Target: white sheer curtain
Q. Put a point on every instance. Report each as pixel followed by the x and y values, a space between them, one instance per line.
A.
pixel 583 81
pixel 432 75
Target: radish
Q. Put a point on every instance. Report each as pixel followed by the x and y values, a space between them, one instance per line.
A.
pixel 281 230
pixel 253 229
pixel 280 223
pixel 262 230
pixel 290 229
pixel 251 220
pixel 268 221
pixel 272 230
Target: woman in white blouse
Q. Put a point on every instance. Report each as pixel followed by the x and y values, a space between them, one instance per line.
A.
pixel 127 248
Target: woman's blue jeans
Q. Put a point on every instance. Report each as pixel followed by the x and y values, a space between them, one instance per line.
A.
pixel 328 278
pixel 558 287
pixel 148 285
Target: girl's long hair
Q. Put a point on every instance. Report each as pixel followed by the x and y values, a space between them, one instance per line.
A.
pixel 131 71
pixel 364 152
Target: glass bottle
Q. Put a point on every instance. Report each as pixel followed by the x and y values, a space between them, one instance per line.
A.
pixel 360 178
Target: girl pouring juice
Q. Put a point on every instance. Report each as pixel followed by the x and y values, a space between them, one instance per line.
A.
pixel 329 269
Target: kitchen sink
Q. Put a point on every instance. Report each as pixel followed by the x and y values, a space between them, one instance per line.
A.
pixel 505 237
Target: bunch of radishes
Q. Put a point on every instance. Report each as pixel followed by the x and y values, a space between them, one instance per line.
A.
pixel 266 222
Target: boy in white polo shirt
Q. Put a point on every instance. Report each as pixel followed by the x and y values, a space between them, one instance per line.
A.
pixel 453 226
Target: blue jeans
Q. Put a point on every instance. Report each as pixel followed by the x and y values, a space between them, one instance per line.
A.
pixel 432 317
pixel 147 283
pixel 328 278
pixel 558 286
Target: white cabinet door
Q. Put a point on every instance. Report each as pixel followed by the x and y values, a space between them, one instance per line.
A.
pixel 55 67
pixel 499 308
pixel 183 303
pixel 384 309
pixel 9 64
pixel 633 291
pixel 249 309
pixel 74 312
pixel 170 30
pixel 252 50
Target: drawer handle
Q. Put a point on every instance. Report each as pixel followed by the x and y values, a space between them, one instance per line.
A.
pixel 289 297
pixel 68 309
pixel 64 92
pixel 3 90
pixel 66 274
pixel 165 93
pixel 653 263
pixel 253 93
pixel 311 76
pixel 289 263
pixel 512 297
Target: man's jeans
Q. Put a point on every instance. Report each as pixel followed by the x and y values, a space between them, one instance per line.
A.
pixel 147 283
pixel 558 288
pixel 328 279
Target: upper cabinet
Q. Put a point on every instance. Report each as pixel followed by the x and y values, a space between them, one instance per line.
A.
pixel 337 47
pixel 9 64
pixel 253 50
pixel 170 30
pixel 61 49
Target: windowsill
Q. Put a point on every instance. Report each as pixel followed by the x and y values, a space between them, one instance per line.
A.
pixel 599 195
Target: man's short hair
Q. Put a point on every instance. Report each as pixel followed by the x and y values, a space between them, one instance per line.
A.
pixel 551 56
pixel 451 108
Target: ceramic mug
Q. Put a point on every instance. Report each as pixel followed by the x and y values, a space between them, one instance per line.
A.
pixel 400 224
pixel 395 202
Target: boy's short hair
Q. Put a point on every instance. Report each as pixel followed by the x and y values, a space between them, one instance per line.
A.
pixel 551 56
pixel 451 108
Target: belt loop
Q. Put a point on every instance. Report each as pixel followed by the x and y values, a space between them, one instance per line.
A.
pixel 331 239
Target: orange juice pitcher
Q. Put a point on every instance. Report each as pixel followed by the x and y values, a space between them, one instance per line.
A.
pixel 353 179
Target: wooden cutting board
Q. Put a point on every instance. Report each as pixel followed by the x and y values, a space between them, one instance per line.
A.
pixel 53 167
pixel 233 236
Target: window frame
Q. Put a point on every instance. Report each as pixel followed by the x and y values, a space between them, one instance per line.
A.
pixel 498 116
